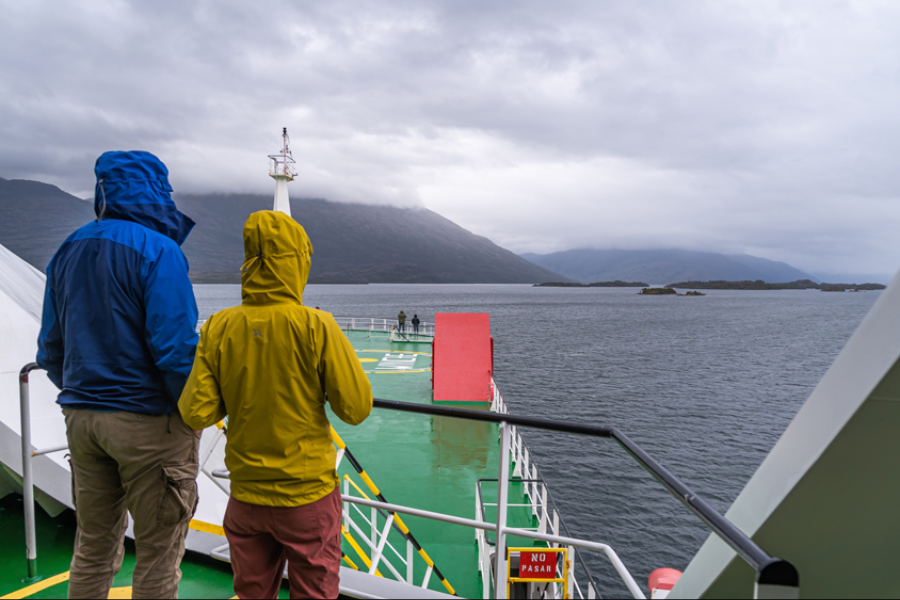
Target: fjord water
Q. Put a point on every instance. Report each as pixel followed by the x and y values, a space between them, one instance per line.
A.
pixel 705 384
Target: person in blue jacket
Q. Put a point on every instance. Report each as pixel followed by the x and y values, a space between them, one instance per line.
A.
pixel 118 339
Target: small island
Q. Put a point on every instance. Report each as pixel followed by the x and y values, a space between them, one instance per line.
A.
pixel 598 284
pixel 801 284
pixel 657 291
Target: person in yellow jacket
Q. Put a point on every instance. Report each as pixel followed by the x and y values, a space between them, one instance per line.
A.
pixel 270 365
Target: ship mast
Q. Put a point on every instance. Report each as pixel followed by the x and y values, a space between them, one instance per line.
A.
pixel 281 169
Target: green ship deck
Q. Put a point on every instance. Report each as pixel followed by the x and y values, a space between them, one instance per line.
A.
pixel 415 460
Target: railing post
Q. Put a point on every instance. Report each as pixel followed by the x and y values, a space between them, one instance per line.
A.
pixel 374 527
pixel 409 562
pixel 346 510
pixel 555 530
pixel 477 507
pixel 542 527
pixel 525 470
pixel 27 473
pixel 502 500
pixel 777 579
pixel 378 552
pixel 517 453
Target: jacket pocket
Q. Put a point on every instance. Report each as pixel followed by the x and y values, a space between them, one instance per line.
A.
pixel 179 497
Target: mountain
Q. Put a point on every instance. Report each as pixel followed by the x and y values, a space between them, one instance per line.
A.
pixel 658 266
pixel 356 242
pixel 351 242
pixel 37 218
pixel 884 278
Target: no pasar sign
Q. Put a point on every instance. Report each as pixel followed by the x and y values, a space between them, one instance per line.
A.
pixel 537 565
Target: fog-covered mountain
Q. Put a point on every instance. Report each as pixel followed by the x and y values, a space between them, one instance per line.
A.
pixel 661 266
pixel 351 242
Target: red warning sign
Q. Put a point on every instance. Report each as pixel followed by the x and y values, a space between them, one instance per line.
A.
pixel 537 565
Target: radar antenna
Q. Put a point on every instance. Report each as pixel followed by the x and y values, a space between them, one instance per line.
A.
pixel 281 169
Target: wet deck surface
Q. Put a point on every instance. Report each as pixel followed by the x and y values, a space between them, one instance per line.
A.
pixel 415 460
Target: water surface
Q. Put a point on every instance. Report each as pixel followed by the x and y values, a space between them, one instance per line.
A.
pixel 705 384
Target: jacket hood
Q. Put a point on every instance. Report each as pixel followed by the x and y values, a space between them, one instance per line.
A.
pixel 277 255
pixel 134 186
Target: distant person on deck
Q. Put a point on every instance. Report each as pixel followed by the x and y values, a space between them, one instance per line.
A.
pixel 401 321
pixel 415 323
pixel 270 365
pixel 117 338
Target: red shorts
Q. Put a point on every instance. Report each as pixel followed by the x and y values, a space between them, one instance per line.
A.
pixel 263 538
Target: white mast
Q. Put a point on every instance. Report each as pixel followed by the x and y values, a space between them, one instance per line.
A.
pixel 281 169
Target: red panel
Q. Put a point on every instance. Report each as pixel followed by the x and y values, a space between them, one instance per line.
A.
pixel 537 565
pixel 464 363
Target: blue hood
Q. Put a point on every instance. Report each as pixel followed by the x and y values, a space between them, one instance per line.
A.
pixel 136 188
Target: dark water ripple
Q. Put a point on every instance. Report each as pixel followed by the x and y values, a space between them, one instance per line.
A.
pixel 706 385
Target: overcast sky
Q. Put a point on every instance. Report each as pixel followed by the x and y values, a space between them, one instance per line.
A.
pixel 755 126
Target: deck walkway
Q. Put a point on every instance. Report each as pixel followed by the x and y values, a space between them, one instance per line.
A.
pixel 415 460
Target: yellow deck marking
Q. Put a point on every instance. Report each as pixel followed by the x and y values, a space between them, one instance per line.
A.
pixel 358 489
pixel 368 360
pixel 207 527
pixel 359 550
pixel 120 592
pixel 350 562
pixel 390 352
pixel 37 587
pixel 386 372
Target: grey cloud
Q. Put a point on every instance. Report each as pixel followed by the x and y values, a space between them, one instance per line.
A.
pixel 742 126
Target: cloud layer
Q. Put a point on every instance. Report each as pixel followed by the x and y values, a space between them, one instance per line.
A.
pixel 747 126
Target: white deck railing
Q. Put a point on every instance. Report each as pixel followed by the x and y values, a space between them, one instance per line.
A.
pixel 426 328
pixel 492 565
pixel 539 502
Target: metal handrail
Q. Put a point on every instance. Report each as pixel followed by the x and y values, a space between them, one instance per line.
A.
pixel 770 570
pixel 498 405
pixel 28 472
pixel 513 531
pixel 382 325
pixel 487 526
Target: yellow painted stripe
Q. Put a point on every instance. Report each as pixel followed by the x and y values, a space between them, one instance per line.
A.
pixel 358 489
pixel 37 587
pixel 426 558
pixel 359 550
pixel 401 524
pixel 404 352
pixel 120 593
pixel 448 586
pixel 207 527
pixel 350 562
pixel 337 439
pixel 400 372
pixel 371 484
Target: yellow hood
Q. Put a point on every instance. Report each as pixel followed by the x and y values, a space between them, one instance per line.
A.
pixel 277 255
pixel 271 364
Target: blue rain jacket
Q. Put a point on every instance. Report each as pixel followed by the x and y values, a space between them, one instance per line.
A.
pixel 118 327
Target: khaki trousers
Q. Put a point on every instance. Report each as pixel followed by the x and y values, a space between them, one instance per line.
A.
pixel 125 462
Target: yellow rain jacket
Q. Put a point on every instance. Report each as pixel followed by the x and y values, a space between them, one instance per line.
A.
pixel 270 364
